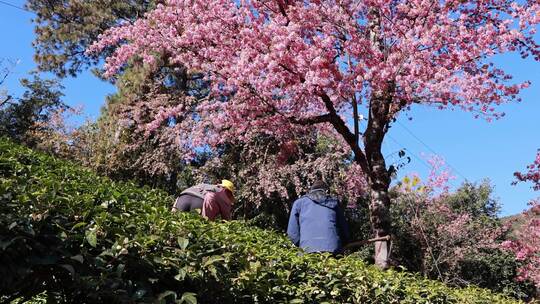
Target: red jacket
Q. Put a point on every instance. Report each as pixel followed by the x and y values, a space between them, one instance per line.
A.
pixel 217 203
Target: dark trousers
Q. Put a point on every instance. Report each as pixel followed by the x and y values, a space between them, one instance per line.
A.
pixel 188 202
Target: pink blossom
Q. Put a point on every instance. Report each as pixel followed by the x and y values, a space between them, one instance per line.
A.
pixel 526 245
pixel 261 50
pixel 533 173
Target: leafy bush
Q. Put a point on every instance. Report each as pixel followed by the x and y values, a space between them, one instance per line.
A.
pixel 496 270
pixel 67 234
pixel 455 238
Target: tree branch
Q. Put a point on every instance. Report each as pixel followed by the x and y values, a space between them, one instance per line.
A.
pixel 312 120
pixel 283 12
pixel 304 121
pixel 355 109
pixel 355 244
pixel 8 98
pixel 344 131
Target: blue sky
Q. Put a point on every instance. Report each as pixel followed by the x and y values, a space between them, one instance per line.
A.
pixel 474 148
pixel 16 33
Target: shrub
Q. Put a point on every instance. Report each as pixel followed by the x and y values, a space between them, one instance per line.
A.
pixel 69 234
pixel 455 237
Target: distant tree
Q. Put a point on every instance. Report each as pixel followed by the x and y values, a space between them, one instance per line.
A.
pixel 40 100
pixel 475 199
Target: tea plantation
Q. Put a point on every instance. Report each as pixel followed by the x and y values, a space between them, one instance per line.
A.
pixel 68 235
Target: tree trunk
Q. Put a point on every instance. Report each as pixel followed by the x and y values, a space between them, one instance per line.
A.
pixel 379 207
pixel 380 221
pixel 372 161
pixel 379 177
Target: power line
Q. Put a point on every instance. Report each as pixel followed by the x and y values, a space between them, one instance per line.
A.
pixel 15 6
pixel 429 148
pixel 404 148
pixel 422 161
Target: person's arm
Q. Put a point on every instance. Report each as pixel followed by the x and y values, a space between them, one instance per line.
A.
pixel 343 227
pixel 225 204
pixel 293 229
pixel 175 205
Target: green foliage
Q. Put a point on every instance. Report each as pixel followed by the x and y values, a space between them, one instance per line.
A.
pixel 65 28
pixel 496 270
pixel 475 200
pixel 65 232
pixel 40 98
pixel 458 261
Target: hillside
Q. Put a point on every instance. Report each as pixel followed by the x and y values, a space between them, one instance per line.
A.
pixel 68 234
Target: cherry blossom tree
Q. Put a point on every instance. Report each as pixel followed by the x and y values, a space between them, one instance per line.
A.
pixel 526 245
pixel 282 66
pixel 454 236
pixel 533 173
pixel 446 228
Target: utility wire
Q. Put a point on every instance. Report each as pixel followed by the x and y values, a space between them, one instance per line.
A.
pixel 405 148
pixel 421 160
pixel 429 148
pixel 412 153
pixel 15 6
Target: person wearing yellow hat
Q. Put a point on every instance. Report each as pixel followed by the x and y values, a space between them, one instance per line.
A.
pixel 211 200
pixel 219 203
pixel 227 184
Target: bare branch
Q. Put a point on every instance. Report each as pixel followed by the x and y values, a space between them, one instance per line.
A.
pixel 344 131
pixel 312 120
pixel 8 98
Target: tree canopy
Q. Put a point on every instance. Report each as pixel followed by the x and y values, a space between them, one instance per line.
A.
pixel 281 66
pixel 65 28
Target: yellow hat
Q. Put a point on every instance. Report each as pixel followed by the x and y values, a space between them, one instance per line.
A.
pixel 227 184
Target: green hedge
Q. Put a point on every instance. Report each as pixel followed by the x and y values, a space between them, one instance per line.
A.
pixel 68 235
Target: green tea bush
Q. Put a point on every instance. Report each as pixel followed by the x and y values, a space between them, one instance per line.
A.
pixel 67 235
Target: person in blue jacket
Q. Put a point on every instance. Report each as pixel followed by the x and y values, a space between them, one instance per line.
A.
pixel 317 222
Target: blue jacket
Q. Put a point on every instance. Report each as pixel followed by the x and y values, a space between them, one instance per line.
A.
pixel 317 223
